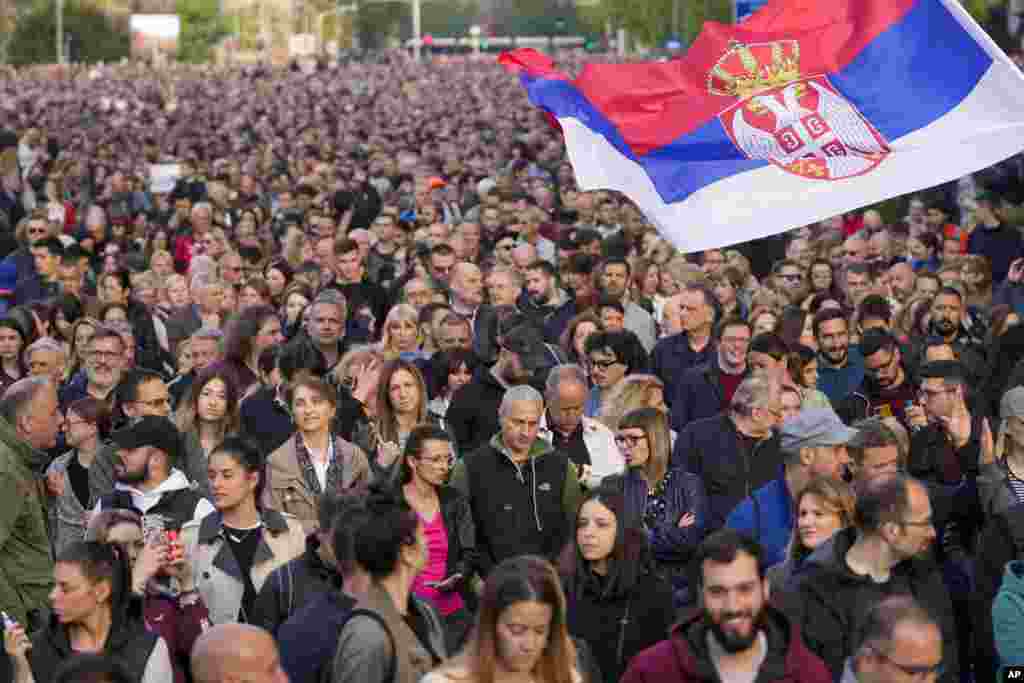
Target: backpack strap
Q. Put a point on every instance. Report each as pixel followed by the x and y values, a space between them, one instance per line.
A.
pixel 393 666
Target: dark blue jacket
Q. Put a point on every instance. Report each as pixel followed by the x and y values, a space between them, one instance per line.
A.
pixel 730 465
pixel 1000 245
pixel 309 638
pixel 699 395
pixel 768 517
pixel 672 356
pixel 673 546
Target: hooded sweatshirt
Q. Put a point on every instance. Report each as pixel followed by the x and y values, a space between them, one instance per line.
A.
pixel 174 498
pixel 26 562
pixel 686 657
pixel 1008 616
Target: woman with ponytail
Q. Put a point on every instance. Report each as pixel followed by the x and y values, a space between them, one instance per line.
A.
pixel 94 612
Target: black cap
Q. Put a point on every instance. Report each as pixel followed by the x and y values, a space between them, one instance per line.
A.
pixel 158 432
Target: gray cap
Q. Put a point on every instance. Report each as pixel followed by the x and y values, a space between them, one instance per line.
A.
pixel 814 427
pixel 1012 403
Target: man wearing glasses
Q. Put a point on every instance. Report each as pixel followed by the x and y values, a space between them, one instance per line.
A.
pixel 888 389
pixel 882 557
pixel 900 641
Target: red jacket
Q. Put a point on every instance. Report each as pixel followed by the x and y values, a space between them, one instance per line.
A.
pixel 684 658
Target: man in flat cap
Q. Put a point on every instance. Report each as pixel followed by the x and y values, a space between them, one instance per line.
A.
pixel 813 444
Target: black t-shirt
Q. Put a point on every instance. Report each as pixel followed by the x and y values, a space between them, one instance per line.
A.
pixel 79 477
pixel 243 543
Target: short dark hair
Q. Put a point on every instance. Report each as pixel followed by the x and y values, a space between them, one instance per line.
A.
pixel 92 668
pixel 624 344
pixel 826 314
pixel 950 291
pixel 616 261
pixel 300 355
pixel 875 340
pixel 859 268
pixel 882 500
pixel 390 525
pixel 128 389
pixel 546 266
pixel 250 458
pixel 609 302
pixel 441 250
pixel 874 306
pixel 722 547
pixel 872 432
pixel 348 514
pixel 732 321
pixel 771 344
pixel 346 245
pixel 580 264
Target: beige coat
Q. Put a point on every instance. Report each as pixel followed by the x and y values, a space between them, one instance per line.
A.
pixel 217 575
pixel 286 489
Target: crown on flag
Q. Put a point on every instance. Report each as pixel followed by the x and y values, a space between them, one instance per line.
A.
pixel 748 69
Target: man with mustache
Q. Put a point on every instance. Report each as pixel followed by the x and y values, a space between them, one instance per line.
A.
pixel 840 367
pixel 949 320
pixel 888 389
pixel 736 635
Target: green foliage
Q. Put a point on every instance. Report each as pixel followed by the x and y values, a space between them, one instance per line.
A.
pixel 94 37
pixel 202 27
pixel 448 17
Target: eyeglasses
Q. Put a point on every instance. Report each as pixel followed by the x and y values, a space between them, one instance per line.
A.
pixel 627 441
pixel 923 523
pixel 913 671
pixel 603 364
pixel 437 462
pixel 105 355
pixel 791 277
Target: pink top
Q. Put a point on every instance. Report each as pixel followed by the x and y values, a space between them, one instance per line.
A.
pixel 437 545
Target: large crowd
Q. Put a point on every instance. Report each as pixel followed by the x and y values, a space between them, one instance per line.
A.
pixel 333 375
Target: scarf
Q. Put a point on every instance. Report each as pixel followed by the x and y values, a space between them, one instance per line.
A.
pixel 305 461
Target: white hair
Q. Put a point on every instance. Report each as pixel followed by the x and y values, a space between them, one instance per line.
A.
pixel 522 392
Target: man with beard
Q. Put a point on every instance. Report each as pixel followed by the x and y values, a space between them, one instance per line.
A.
pixel 148 479
pixel 887 389
pixel 885 554
pixel 737 635
pixel 542 297
pixel 901 281
pixel 614 275
pixel 948 317
pixel 473 412
pixel 840 367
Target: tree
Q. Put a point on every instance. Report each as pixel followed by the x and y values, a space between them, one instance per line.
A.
pixel 93 36
pixel 202 26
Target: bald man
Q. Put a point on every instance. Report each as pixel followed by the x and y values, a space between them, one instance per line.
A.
pixel 236 653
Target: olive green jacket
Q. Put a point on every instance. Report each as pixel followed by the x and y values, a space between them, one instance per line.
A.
pixel 26 561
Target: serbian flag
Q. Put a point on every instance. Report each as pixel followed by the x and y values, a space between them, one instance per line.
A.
pixel 807 110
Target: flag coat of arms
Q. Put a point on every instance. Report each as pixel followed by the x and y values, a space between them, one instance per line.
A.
pixel 807 110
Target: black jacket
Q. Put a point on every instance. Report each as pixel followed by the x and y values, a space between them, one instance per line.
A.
pixel 1002 540
pixel 598 619
pixel 731 466
pixel 292 586
pixel 829 603
pixel 517 509
pixel 473 413
pixel 128 641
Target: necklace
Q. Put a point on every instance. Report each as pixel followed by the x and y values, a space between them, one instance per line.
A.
pixel 241 535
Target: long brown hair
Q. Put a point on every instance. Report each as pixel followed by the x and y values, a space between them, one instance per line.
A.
pixel 187 415
pixel 659 440
pixel 386 421
pixel 835 496
pixel 519 579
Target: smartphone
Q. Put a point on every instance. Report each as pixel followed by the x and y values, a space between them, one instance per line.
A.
pixel 153 529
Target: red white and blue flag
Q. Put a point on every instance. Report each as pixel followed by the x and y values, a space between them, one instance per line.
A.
pixel 806 110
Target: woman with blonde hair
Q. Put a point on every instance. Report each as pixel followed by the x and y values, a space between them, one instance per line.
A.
pixel 632 393
pixel 82 331
pixel 668 502
pixel 823 507
pixel 520 632
pixel 400 336
pixel 401 405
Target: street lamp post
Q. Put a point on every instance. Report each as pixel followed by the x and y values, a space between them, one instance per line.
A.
pixel 417 29
pixel 60 31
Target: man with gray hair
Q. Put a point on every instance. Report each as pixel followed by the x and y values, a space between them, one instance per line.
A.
pixel 325 324
pixel 813 444
pixel 522 492
pixel 45 357
pixel 589 444
pixel 898 639
pixel 31 420
pixel 736 451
